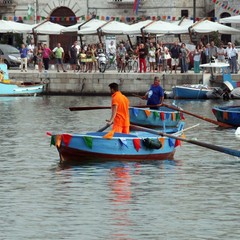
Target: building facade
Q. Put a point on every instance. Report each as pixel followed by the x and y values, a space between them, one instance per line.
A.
pixel 69 12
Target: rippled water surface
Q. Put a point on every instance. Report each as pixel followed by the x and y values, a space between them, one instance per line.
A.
pixel 196 196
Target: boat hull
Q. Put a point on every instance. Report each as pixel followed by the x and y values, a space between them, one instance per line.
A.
pixel 8 89
pixel 164 117
pixel 77 148
pixel 188 92
pixel 227 114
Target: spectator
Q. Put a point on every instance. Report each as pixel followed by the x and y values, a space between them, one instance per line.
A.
pixel 89 59
pixel 23 55
pixel 212 51
pixel 39 55
pixel 142 53
pixel 184 58
pixel 31 47
pixel 175 52
pixel 121 54
pixel 152 58
pixel 59 55
pixel 73 53
pixel 94 57
pixel 196 59
pixel 46 56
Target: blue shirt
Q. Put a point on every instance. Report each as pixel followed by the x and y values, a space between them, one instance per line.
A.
pixel 23 52
pixel 154 95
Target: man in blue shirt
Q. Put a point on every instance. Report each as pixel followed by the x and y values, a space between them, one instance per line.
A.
pixel 23 55
pixel 155 95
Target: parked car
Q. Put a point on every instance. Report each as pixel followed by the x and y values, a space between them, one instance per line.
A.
pixel 10 55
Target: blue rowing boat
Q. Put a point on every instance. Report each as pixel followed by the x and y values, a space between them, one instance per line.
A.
pixel 164 117
pixel 227 114
pixel 17 88
pixel 138 145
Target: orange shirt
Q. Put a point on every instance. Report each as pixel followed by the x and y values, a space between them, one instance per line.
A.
pixel 122 116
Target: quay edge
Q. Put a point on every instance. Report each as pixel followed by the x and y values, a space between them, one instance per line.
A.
pixel 70 83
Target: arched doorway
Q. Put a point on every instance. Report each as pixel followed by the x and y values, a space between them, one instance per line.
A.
pixel 65 17
pixel 225 38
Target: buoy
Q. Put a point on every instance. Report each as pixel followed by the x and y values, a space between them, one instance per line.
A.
pixel 237 132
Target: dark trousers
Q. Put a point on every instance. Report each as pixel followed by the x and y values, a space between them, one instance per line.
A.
pixel 46 63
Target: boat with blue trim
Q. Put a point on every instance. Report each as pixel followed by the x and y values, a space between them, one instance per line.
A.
pixel 17 88
pixel 227 114
pixel 103 146
pixel 163 117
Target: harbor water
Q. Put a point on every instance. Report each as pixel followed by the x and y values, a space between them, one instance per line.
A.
pixel 195 196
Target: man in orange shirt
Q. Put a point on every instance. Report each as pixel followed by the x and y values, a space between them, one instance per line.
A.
pixel 120 114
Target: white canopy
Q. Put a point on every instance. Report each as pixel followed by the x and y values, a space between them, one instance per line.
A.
pixel 114 28
pixel 233 19
pixel 47 28
pixel 135 29
pixel 207 26
pixel 91 27
pixel 14 27
pixel 72 29
pixel 161 27
pixel 185 23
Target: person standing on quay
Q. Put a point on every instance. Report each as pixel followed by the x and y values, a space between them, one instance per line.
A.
pixel 59 55
pixel 142 53
pixel 120 113
pixel 155 95
pixel 46 56
pixel 73 53
pixel 23 55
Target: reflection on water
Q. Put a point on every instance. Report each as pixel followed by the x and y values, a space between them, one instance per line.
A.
pixel 196 196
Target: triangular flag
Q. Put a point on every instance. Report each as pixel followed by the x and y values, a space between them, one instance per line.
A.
pixel 58 140
pixel 123 141
pixel 170 142
pixel 136 143
pixel 225 115
pixel 88 141
pixel 167 116
pixel 156 114
pixel 162 140
pixel 135 111
pixel 162 116
pixel 173 116
pixel 183 136
pixel 177 143
pixel 52 141
pixel 182 116
pixel 66 139
pixel 148 112
pixel 109 135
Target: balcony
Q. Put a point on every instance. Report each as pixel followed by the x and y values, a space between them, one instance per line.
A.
pixel 7 6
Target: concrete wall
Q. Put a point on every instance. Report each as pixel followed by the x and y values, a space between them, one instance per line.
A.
pixel 97 83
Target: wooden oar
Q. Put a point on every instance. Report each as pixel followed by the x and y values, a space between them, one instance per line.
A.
pixel 225 125
pixel 229 151
pixel 104 107
pixel 104 128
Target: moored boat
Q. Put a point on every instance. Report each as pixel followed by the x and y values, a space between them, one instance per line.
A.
pixel 155 118
pixel 227 114
pixel 17 88
pixel 138 145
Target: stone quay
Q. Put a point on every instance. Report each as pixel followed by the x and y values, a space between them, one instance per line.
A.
pixel 70 83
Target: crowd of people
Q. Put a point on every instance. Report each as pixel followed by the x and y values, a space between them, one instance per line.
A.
pixel 151 57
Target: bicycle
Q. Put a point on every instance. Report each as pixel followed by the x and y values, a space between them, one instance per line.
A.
pixel 132 64
pixel 111 61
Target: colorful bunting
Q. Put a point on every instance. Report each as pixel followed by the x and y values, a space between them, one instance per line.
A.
pixel 156 114
pixel 109 135
pixel 162 140
pixel 170 142
pixel 148 112
pixel 182 116
pixel 52 141
pixel 225 6
pixel 162 116
pixel 123 141
pixel 135 111
pixel 66 138
pixel 58 140
pixel 136 143
pixel 88 141
pixel 177 143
